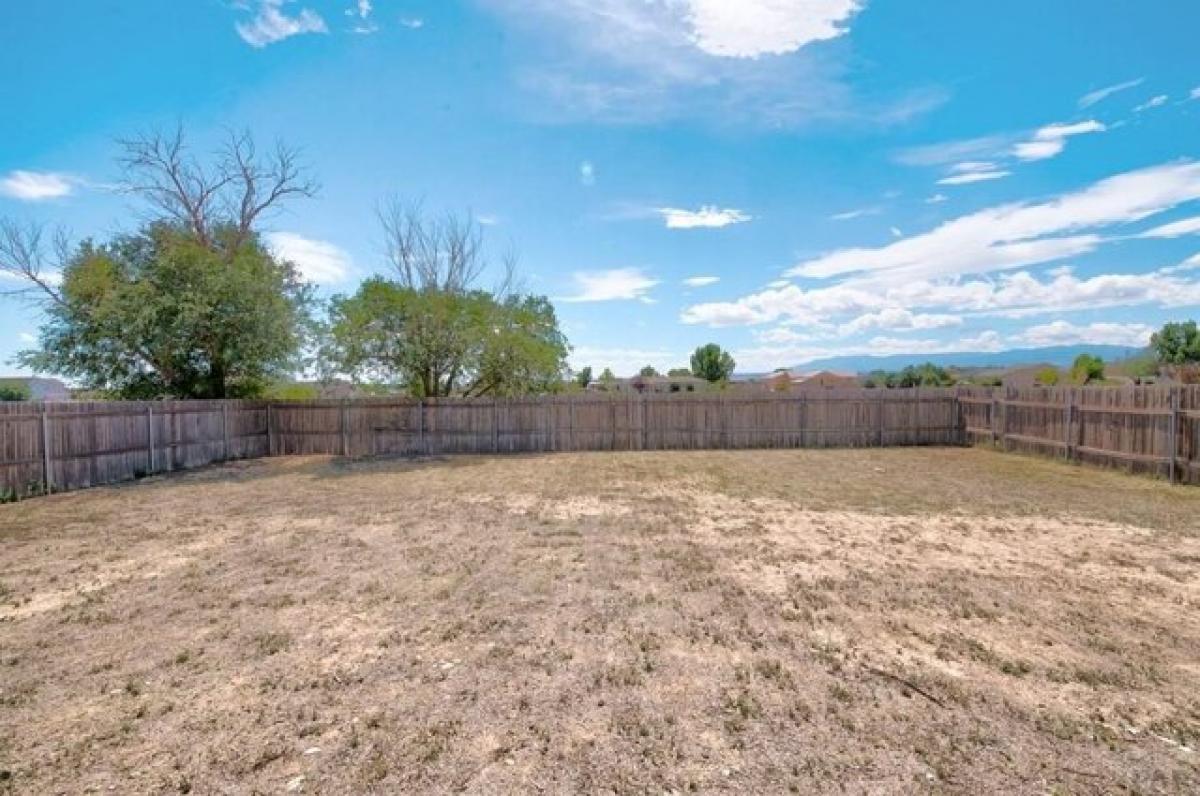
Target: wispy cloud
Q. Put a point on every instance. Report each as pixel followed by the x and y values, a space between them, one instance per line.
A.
pixel 618 284
pixel 850 215
pixel 587 174
pixel 272 25
pixel 1154 102
pixel 701 281
pixel 708 216
pixel 1092 97
pixel 360 12
pixel 1176 229
pixel 1195 93
pixel 966 177
pixel 1016 235
pixel 412 23
pixel 319 261
pixel 754 62
pixel 936 199
pixel 1050 140
pixel 36 186
pixel 947 152
pixel 1012 295
pixel 1134 335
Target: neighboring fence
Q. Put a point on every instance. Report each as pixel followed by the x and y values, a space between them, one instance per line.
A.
pixel 1152 430
pixel 64 446
pixel 74 445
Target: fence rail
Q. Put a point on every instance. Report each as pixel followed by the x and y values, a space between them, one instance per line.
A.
pixel 65 446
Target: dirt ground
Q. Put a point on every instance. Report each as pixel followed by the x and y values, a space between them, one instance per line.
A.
pixel 920 620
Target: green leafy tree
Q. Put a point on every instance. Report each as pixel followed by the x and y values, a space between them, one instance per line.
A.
pixel 1047 377
pixel 447 342
pixel 1087 368
pixel 679 373
pixel 608 381
pixel 584 377
pixel 192 305
pixel 711 363
pixel 160 313
pixel 648 372
pixel 1177 344
pixel 14 391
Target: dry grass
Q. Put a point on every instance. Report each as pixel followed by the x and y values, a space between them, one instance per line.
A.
pixel 898 620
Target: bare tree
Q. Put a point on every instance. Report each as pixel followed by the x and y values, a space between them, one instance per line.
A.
pixel 230 193
pixel 23 256
pixel 444 253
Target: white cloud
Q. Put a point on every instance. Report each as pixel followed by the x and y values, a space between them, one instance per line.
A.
pixel 936 199
pixel 272 25
pixel 1134 335
pixel 1091 98
pixel 896 232
pixel 27 337
pixel 361 12
pixel 1050 140
pixel 707 216
pixel 948 152
pixel 899 319
pixel 1015 235
pixel 1176 229
pixel 859 213
pixel 649 61
pixel 615 285
pixel 36 186
pixel 701 281
pixel 973 176
pixel 412 23
pixel 587 173
pixel 1153 102
pixel 752 28
pixel 1195 93
pixel 1011 295
pixel 318 260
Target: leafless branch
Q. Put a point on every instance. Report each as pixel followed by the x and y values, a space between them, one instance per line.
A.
pixel 436 253
pixel 23 258
pixel 231 193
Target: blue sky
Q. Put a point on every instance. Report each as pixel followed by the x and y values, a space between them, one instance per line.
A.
pixel 789 178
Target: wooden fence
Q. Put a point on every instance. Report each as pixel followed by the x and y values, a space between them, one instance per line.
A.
pixel 63 446
pixel 58 447
pixel 1153 430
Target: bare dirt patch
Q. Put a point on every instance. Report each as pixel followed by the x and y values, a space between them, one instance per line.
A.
pixel 899 620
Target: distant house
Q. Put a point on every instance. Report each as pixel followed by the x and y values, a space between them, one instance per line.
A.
pixel 824 380
pixel 651 384
pixel 39 389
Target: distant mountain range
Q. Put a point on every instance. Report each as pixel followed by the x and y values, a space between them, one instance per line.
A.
pixel 1060 355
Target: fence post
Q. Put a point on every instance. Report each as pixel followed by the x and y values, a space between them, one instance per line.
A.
pixel 1173 434
pixel 1070 418
pixel 47 473
pixel 571 420
pixel 225 428
pixel 421 427
pixel 495 425
pixel 880 409
pixel 994 415
pixel 270 432
pixel 643 418
pixel 345 424
pixel 150 437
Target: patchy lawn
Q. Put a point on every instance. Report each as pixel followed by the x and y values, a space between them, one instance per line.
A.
pixel 899 620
